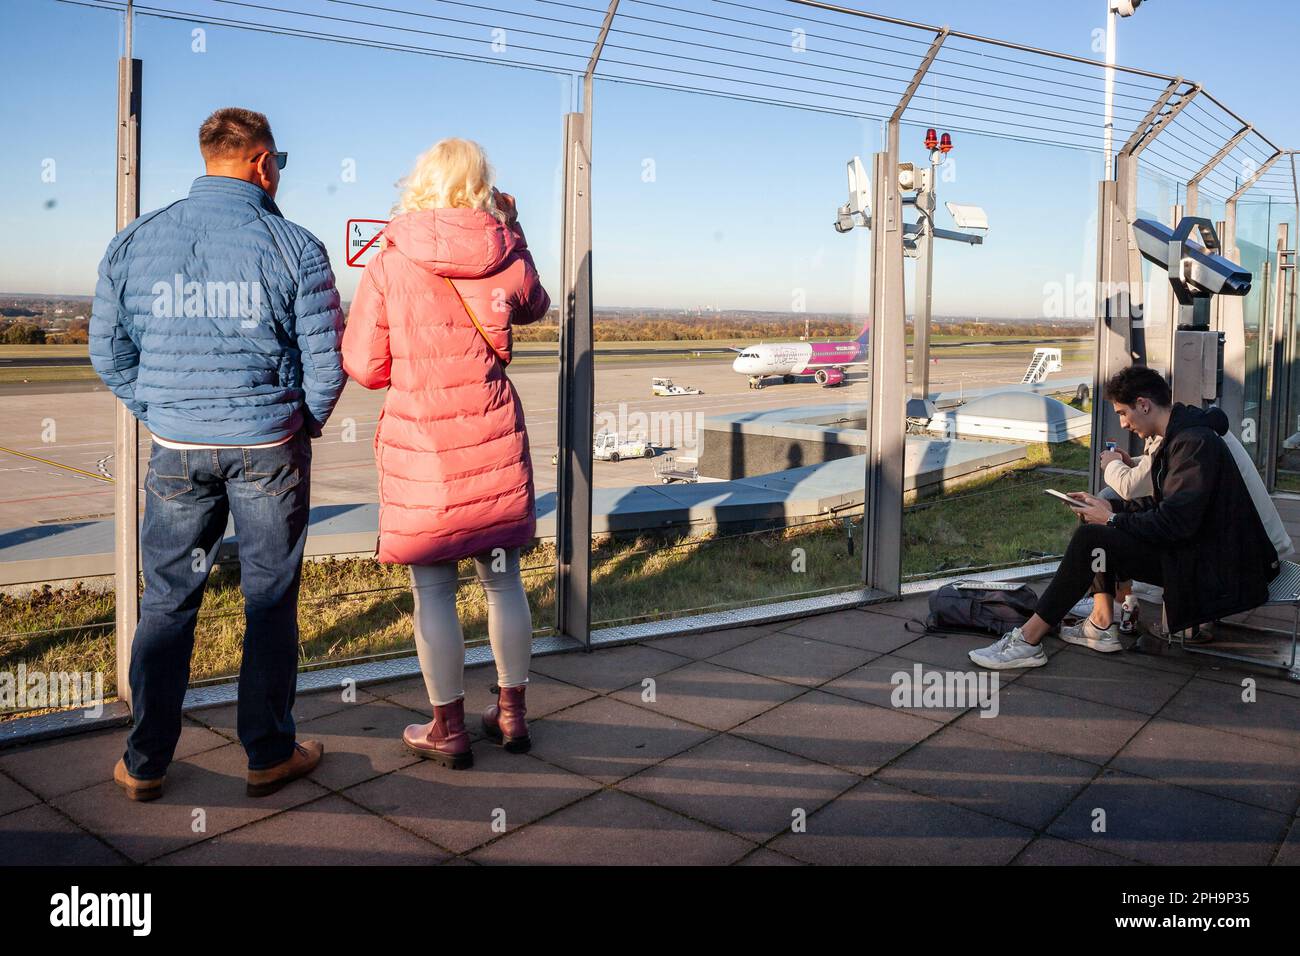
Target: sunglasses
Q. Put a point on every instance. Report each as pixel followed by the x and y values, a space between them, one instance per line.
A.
pixel 281 158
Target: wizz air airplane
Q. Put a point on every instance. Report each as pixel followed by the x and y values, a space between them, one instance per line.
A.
pixel 826 361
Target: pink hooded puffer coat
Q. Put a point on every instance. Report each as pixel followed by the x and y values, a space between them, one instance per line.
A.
pixel 455 477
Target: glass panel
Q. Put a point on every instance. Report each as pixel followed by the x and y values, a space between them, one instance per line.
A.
pixel 346 157
pixel 1029 287
pixel 57 206
pixel 1255 251
pixel 727 473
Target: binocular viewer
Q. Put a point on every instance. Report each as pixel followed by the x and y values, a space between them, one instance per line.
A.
pixel 1195 270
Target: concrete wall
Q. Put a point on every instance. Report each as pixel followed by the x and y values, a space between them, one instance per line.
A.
pixel 727 454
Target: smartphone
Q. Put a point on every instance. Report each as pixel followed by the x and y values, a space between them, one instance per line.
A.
pixel 1111 446
pixel 1064 497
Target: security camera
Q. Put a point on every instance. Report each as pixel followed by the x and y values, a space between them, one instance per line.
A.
pixel 1124 8
pixel 1200 268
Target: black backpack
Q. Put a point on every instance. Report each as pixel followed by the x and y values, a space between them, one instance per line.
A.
pixel 980 607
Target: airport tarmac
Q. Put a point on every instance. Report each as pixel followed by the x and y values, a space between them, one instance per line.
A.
pixel 56 446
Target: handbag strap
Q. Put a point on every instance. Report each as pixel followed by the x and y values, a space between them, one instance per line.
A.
pixel 473 318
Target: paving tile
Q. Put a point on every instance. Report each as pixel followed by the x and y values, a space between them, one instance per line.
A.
pixel 40 836
pixel 1229 765
pixel 608 740
pixel 765 857
pixel 1226 673
pixel 361 742
pixel 72 763
pixel 327 832
pixel 794 659
pixel 699 646
pixel 881 633
pixel 212 781
pixel 739 786
pixel 1104 678
pixel 614 829
pixel 993 776
pixel 1158 655
pixel 457 809
pixel 915 607
pixel 1049 851
pixel 392 689
pixel 1054 723
pixel 832 730
pixel 607 669
pixel 306 707
pixel 1155 822
pixel 1289 853
pixel 1207 703
pixel 711 696
pixel 875 683
pixel 14 796
pixel 877 824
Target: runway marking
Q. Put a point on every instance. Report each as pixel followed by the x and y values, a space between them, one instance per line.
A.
pixel 56 464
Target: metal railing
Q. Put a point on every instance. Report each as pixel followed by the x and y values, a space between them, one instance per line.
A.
pixel 799 55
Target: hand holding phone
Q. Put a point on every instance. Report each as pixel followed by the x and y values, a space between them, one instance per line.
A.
pixel 506 203
pixel 1072 502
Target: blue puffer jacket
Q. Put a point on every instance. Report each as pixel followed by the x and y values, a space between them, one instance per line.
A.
pixel 216 320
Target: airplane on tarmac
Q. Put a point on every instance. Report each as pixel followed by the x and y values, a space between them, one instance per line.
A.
pixel 826 361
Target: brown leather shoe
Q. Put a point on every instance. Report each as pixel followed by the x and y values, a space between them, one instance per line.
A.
pixel 504 721
pixel 444 739
pixel 137 788
pixel 303 760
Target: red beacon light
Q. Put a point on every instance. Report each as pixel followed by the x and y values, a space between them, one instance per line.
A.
pixel 931 139
pixel 945 143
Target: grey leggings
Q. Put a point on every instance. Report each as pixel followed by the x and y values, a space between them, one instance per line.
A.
pixel 439 641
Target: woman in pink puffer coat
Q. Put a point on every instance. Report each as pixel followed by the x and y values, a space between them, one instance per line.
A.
pixel 431 323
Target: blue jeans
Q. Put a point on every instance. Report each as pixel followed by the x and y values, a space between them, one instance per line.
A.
pixel 190 496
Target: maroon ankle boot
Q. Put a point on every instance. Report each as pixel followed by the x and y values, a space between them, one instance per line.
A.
pixel 444 739
pixel 504 720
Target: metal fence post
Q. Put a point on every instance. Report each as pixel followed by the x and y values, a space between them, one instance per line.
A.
pixel 126 442
pixel 1120 330
pixel 576 394
pixel 577 384
pixel 882 552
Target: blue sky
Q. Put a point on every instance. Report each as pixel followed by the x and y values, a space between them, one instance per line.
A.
pixel 737 214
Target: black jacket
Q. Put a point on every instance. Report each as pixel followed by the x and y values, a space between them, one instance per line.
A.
pixel 1216 556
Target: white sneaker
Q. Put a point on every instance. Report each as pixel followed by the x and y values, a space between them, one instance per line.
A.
pixel 1009 651
pixel 1089 635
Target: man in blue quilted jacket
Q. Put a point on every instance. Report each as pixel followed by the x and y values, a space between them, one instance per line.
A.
pixel 216 321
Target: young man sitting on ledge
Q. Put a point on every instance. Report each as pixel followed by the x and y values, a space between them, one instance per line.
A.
pixel 1198 536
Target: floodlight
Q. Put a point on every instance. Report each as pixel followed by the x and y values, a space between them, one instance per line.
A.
pixel 968 217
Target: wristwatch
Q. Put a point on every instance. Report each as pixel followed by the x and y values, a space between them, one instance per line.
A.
pixel 1110 522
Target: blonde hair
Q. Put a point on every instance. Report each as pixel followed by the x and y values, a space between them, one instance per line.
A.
pixel 453 173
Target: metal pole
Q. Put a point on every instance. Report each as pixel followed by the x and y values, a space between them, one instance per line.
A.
pixel 126 439
pixel 883 526
pixel 1273 377
pixel 577 393
pixel 924 291
pixel 1120 335
pixel 1109 128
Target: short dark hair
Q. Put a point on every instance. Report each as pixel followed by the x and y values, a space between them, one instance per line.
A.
pixel 232 131
pixel 1137 381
